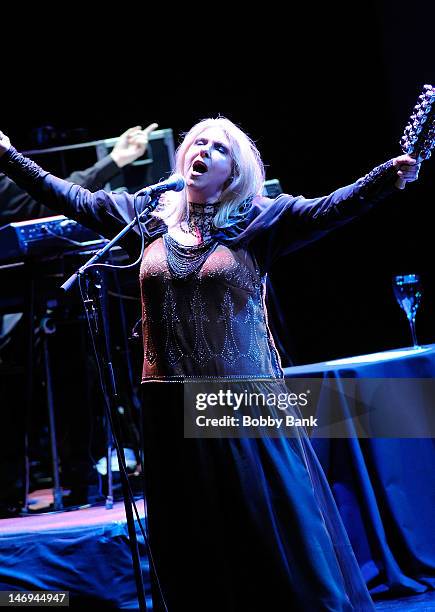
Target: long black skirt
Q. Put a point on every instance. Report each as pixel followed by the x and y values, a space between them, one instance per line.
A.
pixel 241 524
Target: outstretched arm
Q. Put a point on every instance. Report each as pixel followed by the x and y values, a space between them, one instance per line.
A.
pixel 280 226
pixel 17 205
pixel 106 213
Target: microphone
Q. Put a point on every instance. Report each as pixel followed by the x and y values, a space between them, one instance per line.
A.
pixel 174 183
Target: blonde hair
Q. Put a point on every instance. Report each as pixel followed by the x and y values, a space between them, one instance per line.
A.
pixel 246 180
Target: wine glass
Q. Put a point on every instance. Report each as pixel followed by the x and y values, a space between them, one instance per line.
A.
pixel 408 291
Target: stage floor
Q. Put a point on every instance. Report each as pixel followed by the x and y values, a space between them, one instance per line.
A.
pixel 86 552
pixel 417 603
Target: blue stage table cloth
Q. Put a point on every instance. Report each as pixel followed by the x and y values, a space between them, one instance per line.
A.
pixel 384 487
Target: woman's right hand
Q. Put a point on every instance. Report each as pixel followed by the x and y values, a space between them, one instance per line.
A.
pixel 5 143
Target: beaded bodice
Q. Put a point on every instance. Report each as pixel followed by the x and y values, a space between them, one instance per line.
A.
pixel 211 323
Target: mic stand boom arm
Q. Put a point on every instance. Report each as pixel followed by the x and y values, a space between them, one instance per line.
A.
pixel 68 284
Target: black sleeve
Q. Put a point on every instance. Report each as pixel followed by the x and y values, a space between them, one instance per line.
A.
pixel 95 177
pixel 104 212
pixel 288 223
pixel 17 205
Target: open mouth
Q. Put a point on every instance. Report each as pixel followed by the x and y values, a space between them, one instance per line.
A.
pixel 199 167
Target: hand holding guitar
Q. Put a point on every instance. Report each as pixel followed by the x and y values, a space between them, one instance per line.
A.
pixel 418 139
pixel 408 169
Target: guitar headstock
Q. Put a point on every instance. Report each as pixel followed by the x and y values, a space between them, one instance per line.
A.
pixel 419 136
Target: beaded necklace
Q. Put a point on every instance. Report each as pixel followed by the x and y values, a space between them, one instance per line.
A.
pixel 184 261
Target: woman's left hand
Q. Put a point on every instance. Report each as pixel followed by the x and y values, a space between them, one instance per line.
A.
pixel 407 172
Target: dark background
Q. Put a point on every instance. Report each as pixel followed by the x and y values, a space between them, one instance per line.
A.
pixel 326 96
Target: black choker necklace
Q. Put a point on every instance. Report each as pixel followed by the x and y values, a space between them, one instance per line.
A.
pixel 201 217
pixel 203 208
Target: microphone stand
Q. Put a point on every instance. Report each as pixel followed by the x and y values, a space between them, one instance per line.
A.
pixel 152 204
pixel 95 312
